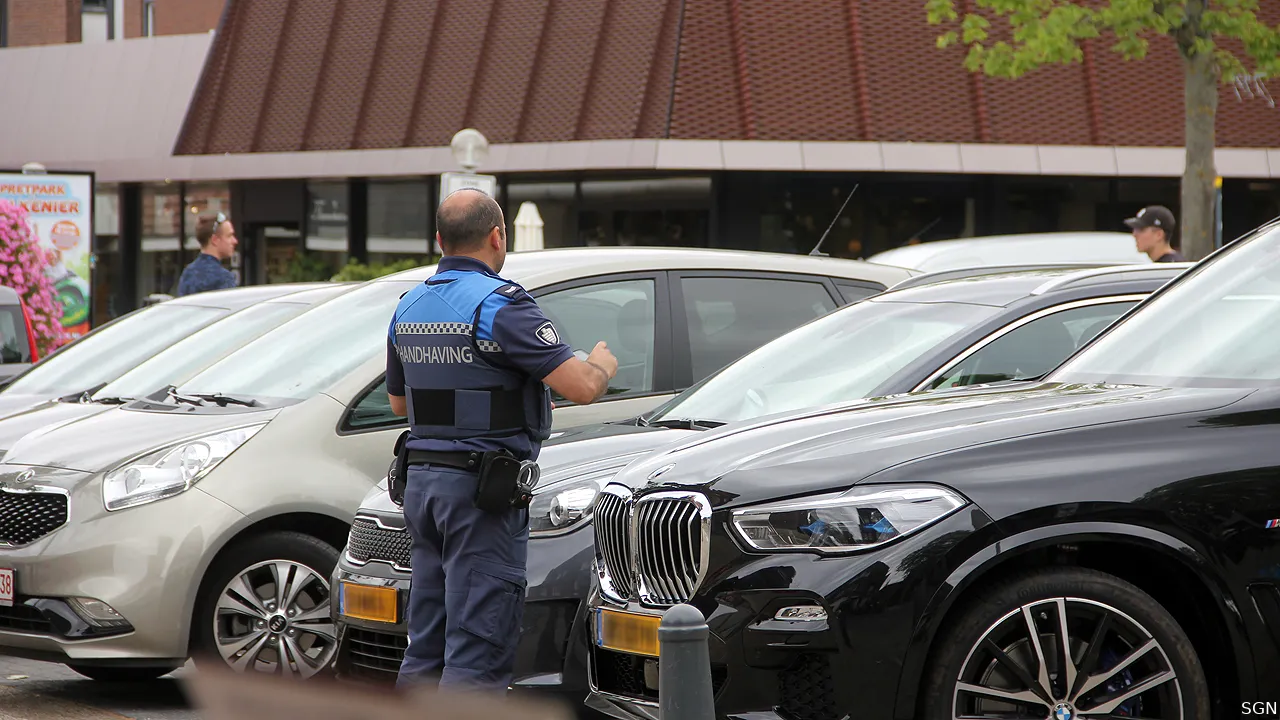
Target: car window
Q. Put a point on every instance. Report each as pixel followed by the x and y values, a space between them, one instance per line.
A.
pixel 14 347
pixel 188 356
pixel 621 313
pixel 373 409
pixel 108 353
pixel 729 317
pixel 1033 349
pixel 842 356
pixel 307 354
pixel 1217 325
pixel 853 292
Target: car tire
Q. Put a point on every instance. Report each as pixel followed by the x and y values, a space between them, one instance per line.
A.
pixel 121 674
pixel 286 631
pixel 966 674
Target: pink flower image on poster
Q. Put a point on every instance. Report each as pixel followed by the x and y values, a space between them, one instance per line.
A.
pixel 24 267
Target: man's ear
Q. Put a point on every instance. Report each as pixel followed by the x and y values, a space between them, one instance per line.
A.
pixel 496 241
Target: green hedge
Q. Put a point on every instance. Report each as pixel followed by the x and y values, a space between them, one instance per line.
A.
pixel 356 271
pixel 308 267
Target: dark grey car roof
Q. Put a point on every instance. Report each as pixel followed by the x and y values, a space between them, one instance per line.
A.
pixel 1002 289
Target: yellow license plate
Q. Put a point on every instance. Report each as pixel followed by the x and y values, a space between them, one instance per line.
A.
pixel 366 602
pixel 627 632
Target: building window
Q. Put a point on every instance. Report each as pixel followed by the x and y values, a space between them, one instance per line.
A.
pixel 148 18
pixel 106 250
pixel 653 211
pixel 96 21
pixel 326 245
pixel 399 222
pixel 553 202
pixel 162 257
pixel 4 23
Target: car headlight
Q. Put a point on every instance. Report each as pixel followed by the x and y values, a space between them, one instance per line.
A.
pixel 563 505
pixel 170 470
pixel 862 518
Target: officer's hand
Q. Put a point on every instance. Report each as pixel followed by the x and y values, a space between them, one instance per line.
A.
pixel 600 355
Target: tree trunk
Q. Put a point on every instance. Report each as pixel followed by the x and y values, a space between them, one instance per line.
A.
pixel 1198 224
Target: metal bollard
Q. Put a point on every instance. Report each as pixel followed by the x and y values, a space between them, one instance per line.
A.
pixel 684 667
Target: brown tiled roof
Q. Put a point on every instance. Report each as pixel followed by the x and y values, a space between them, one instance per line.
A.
pixel 288 75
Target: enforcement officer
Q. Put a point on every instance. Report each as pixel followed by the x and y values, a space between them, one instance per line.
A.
pixel 470 356
pixel 218 242
pixel 1153 233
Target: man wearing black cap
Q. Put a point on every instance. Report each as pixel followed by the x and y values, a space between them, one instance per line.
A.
pixel 1153 231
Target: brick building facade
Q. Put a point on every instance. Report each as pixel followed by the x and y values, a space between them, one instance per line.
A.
pixel 27 23
pixel 41 22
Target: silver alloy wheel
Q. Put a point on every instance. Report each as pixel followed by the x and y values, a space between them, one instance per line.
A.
pixel 1113 666
pixel 274 617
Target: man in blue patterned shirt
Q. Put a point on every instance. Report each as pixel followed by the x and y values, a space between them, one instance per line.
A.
pixel 218 242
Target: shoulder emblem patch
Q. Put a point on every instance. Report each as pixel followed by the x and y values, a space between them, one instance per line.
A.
pixel 546 332
pixel 509 290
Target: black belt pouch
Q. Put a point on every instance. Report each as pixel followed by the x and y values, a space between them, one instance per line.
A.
pixel 398 474
pixel 499 475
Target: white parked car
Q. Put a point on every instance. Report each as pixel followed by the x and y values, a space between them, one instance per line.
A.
pixel 1085 248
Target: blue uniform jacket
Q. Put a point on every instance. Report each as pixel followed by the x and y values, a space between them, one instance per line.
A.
pixel 529 345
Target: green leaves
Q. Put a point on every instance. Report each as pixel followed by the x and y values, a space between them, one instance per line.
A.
pixel 1040 32
pixel 940 11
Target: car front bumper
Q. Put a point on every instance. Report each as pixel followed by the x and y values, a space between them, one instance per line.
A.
pixel 848 664
pixel 552 653
pixel 144 562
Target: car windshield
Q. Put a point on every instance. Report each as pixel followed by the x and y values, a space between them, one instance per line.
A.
pixel 842 356
pixel 1219 326
pixel 179 362
pixel 106 354
pixel 307 354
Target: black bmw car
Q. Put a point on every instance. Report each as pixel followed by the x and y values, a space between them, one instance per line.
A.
pixel 1101 543
pixel 964 331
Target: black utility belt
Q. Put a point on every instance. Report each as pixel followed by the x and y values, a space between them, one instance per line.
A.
pixel 504 482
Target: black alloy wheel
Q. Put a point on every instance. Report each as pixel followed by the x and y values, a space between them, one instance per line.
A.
pixel 1065 644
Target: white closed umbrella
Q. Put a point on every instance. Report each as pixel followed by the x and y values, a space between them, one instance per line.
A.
pixel 528 228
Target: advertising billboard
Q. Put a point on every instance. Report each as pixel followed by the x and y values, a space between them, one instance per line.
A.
pixel 60 206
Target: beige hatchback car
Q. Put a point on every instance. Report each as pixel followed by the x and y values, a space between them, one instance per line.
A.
pixel 206 520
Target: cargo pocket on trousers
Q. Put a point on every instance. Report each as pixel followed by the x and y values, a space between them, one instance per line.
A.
pixel 493 606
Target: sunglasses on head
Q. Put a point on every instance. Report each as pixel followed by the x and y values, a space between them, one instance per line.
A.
pixel 218 220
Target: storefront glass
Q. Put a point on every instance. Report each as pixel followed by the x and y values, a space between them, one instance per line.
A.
pixel 649 211
pixel 161 257
pixel 553 202
pixel 106 252
pixel 400 222
pixel 327 246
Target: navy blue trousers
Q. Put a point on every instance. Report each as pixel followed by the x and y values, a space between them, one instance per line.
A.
pixel 466 598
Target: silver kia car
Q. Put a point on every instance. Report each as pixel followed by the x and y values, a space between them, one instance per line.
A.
pixel 205 520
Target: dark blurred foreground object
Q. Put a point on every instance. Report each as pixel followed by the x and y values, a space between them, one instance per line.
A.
pixel 225 695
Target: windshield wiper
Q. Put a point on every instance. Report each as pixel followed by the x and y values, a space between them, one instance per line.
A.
pixel 225 400
pixel 81 396
pixel 684 424
pixel 112 400
pixel 172 391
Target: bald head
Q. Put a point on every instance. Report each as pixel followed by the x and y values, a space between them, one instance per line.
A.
pixel 466 220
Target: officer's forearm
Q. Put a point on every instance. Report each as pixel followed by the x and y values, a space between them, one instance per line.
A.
pixel 601 379
pixel 579 381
